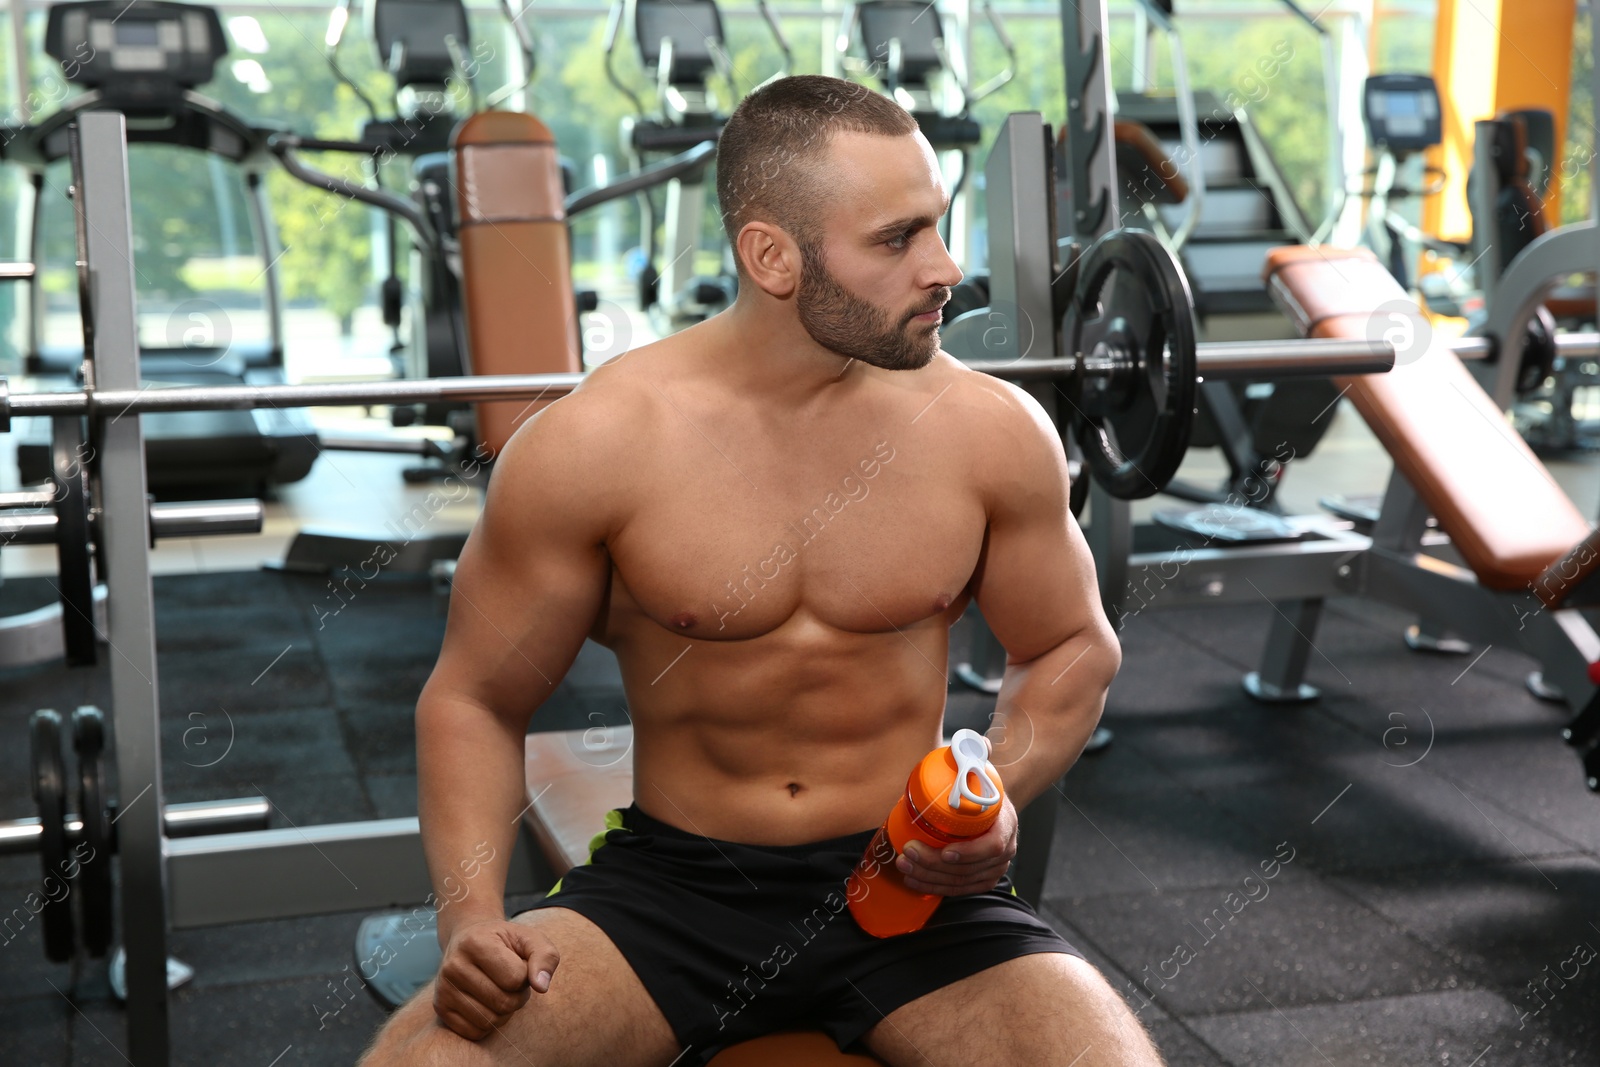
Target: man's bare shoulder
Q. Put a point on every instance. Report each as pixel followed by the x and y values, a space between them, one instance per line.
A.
pixel 582 451
pixel 602 416
pixel 990 405
pixel 1010 440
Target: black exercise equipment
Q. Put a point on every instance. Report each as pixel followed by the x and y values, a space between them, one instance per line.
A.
pixel 75 847
pixel 905 48
pixel 74 576
pixel 1192 168
pixel 423 45
pixel 681 45
pixel 49 792
pixel 68 516
pixel 146 59
pixel 1402 113
pixel 1506 190
pixel 1403 117
pixel 94 812
pixel 74 865
pixel 1131 321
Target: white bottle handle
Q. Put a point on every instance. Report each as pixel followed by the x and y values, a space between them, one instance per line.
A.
pixel 971 752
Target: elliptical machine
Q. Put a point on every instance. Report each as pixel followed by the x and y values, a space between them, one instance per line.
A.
pixel 1404 116
pixel 904 47
pixel 424 45
pixel 681 46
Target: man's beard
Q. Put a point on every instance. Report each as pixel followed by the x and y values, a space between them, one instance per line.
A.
pixel 839 320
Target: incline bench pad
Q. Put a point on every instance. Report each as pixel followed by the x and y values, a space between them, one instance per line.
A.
pixel 573 778
pixel 516 260
pixel 1504 514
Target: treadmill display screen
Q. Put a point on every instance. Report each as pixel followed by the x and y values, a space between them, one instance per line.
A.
pixel 689 25
pixel 138 51
pixel 1404 114
pixel 1402 111
pixel 421 26
pixel 138 34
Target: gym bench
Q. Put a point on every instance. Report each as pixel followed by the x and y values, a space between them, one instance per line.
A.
pixel 1528 556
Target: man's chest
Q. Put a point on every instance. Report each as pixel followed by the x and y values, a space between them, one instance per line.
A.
pixel 865 543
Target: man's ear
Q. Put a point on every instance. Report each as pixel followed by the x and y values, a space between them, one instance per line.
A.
pixel 770 257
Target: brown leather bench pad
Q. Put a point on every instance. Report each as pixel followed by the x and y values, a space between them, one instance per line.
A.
pixel 1506 516
pixel 521 311
pixel 573 777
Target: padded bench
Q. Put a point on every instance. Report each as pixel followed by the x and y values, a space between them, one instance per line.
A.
pixel 1513 525
pixel 573 778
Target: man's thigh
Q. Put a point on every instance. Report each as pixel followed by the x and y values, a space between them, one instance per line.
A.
pixel 1047 1009
pixel 595 1014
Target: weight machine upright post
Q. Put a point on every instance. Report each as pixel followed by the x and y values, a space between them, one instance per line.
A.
pixel 1090 212
pixel 1017 326
pixel 1091 156
pixel 130 611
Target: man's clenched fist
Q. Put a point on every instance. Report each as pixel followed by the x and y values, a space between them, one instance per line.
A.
pixel 488 970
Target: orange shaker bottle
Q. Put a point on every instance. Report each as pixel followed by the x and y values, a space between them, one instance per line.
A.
pixel 954 794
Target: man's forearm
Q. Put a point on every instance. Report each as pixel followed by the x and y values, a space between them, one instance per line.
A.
pixel 1047 710
pixel 469 792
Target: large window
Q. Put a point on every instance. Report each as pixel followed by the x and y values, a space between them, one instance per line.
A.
pixel 1577 161
pixel 197 263
pixel 195 243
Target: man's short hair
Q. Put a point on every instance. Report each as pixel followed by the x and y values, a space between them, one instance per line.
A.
pixel 768 154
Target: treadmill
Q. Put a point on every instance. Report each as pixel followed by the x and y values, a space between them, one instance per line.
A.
pixel 145 60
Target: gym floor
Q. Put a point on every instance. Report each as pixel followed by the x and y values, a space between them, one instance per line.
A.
pixel 1435 856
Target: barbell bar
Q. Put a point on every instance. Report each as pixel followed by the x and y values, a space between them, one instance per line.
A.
pixel 1220 359
pixel 27 498
pixel 1215 359
pixel 20 837
pixel 1477 348
pixel 177 519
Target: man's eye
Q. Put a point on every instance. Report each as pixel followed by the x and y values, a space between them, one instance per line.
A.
pixel 899 241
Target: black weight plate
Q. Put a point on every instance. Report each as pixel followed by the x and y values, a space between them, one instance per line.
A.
pixel 75 581
pixel 94 852
pixel 1538 351
pixel 49 791
pixel 1078 476
pixel 1132 309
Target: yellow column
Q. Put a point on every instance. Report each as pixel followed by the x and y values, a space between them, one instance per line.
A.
pixel 1491 56
pixel 1465 67
pixel 1535 70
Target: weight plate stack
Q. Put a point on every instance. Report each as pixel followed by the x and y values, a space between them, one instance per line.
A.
pixel 94 854
pixel 49 792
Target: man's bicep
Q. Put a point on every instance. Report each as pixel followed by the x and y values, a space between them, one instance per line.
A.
pixel 1036 586
pixel 530 581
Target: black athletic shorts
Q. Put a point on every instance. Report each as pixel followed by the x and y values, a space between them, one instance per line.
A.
pixel 733 941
